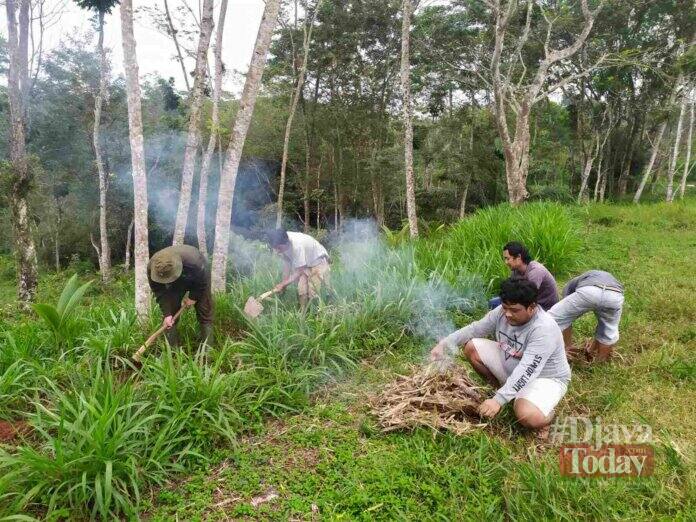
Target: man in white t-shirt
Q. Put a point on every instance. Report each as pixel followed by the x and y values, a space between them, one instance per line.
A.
pixel 305 261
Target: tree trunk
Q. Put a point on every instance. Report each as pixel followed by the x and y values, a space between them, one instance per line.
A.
pixel 194 132
pixel 305 192
pixel 517 162
pixel 651 163
pixel 24 33
pixel 321 160
pixel 675 153
pixel 291 115
pixel 228 177
pixel 636 135
pixel 687 160
pixel 656 144
pixel 104 252
pixel 462 203
pixel 129 237
pixel 376 185
pixel 135 131
pixel 408 116
pixel 21 177
pixel 427 176
pixel 172 33
pixel 56 238
pixel 338 185
pixel 335 191
pixel 214 135
pixel 516 146
pixel 582 195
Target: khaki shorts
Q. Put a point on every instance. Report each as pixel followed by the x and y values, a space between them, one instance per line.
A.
pixel 544 393
pixel 312 278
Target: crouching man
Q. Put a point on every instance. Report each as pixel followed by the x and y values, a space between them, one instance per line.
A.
pixel 305 261
pixel 527 361
pixel 172 272
pixel 598 292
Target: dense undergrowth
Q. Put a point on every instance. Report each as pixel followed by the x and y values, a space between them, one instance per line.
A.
pixel 103 433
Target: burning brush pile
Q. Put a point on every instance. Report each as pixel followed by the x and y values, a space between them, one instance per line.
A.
pixel 439 399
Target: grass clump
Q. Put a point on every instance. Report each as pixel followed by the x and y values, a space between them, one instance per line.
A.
pixel 473 246
pixel 61 318
pixel 93 449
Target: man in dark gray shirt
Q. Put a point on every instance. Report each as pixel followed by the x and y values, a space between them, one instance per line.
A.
pixel 518 259
pixel 520 262
pixel 594 291
pixel 526 362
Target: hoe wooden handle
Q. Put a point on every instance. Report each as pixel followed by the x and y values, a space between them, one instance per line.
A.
pixel 266 294
pixel 138 355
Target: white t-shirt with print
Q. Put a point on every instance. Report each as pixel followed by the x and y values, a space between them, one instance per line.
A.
pixel 304 250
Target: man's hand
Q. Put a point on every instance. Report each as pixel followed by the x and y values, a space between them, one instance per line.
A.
pixel 489 408
pixel 168 321
pixel 437 353
pixel 279 288
pixel 188 302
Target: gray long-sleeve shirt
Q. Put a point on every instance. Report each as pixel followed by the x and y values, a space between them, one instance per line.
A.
pixel 592 278
pixel 531 350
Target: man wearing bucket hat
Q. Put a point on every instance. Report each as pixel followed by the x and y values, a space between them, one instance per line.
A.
pixel 172 272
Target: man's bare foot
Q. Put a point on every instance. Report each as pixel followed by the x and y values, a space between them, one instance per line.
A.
pixel 604 354
pixel 589 350
pixel 542 434
pixel 573 352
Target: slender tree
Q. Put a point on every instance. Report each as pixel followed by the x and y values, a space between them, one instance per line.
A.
pixel 687 160
pixel 512 95
pixel 135 131
pixel 307 37
pixel 656 145
pixel 173 32
pixel 406 12
pixel 102 7
pixel 669 197
pixel 214 134
pixel 20 174
pixel 228 177
pixel 194 133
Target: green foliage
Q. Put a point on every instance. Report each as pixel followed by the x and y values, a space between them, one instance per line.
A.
pixel 95 447
pixel 100 6
pixel 60 318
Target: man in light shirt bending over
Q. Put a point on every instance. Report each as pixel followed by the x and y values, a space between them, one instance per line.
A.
pixel 526 362
pixel 305 261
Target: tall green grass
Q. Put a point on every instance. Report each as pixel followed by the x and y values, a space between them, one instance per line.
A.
pixel 472 247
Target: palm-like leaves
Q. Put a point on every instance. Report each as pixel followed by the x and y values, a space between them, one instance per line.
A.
pixel 58 317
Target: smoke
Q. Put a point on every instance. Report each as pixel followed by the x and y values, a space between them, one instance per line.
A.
pixel 367 263
pixel 164 153
pixel 366 269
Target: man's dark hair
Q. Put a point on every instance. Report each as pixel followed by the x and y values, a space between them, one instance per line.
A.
pixel 278 237
pixel 516 248
pixel 518 290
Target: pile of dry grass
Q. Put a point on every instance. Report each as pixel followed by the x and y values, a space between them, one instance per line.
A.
pixel 446 400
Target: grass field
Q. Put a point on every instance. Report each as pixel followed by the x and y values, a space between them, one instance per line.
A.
pixel 279 407
pixel 332 463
